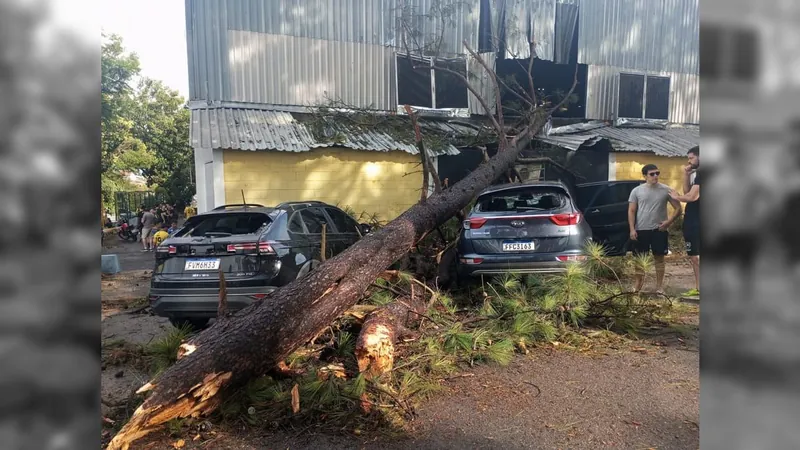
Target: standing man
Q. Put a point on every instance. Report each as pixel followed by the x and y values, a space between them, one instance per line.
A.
pixel 691 221
pixel 148 222
pixel 648 222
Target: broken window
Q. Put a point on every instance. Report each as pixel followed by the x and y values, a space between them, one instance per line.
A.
pixel 414 86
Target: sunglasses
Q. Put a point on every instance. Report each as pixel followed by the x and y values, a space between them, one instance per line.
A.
pixel 653 174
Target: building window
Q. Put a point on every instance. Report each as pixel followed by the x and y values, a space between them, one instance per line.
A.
pixel 430 88
pixel 728 53
pixel 643 97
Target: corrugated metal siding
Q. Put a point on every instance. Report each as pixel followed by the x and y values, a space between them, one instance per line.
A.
pixel 207 44
pixel 482 83
pixel 251 129
pixel 288 70
pixel 522 17
pixel 673 142
pixel 602 92
pixel 658 35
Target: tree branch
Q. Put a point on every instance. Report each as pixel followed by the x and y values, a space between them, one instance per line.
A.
pixel 569 94
pixel 498 101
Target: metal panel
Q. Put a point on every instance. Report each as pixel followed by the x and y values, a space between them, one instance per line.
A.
pixel 653 35
pixel 602 94
pixel 674 141
pixel 252 129
pixel 523 18
pixel 288 70
pixel 207 46
pixel 482 83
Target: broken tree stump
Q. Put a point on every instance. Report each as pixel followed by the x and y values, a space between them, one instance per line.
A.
pixel 380 331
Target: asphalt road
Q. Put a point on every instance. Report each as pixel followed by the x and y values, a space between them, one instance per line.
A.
pixel 130 254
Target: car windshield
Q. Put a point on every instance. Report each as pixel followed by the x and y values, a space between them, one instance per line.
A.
pixel 522 199
pixel 220 225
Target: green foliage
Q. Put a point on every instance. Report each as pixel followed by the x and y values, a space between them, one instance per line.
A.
pixel 163 352
pixel 144 129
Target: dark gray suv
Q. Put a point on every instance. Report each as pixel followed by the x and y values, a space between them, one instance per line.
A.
pixel 524 228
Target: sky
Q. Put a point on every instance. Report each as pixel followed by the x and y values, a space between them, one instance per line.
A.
pixel 154 29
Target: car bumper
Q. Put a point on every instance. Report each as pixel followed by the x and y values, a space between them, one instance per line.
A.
pixel 202 303
pixel 517 263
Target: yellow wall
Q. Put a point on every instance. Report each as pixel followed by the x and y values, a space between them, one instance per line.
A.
pixel 629 167
pixel 364 180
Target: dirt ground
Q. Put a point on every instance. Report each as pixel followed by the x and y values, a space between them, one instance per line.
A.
pixel 639 394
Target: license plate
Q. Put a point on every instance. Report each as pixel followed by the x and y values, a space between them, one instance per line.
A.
pixel 517 246
pixel 202 264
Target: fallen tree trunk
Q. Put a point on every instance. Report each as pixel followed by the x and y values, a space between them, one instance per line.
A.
pixel 257 338
pixel 380 331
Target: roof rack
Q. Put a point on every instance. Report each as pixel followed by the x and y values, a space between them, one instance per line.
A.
pixel 238 205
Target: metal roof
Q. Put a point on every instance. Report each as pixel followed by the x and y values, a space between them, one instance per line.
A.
pixel 670 141
pixel 252 129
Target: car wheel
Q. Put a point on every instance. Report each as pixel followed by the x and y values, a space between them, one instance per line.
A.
pixel 307 267
pixel 195 324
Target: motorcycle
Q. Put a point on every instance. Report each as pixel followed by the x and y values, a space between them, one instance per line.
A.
pixel 128 232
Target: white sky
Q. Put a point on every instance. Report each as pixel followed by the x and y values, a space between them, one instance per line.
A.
pixel 154 29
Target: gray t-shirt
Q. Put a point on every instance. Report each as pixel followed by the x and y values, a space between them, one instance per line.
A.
pixel 651 204
pixel 148 220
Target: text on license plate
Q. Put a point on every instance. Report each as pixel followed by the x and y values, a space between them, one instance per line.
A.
pixel 202 264
pixel 517 246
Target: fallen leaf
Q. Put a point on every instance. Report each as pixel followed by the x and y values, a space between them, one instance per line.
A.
pixel 107 420
pixel 196 437
pixel 639 349
pixel 296 399
pixel 179 443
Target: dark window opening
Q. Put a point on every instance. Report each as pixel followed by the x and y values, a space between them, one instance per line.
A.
pixel 657 104
pixel 451 91
pixel 631 95
pixel 745 59
pixel 552 82
pixel 343 222
pixel 413 85
pixel 296 224
pixel 527 199
pixel 230 224
pixel 710 51
pixel 485 27
pixel 566 34
pixel 729 53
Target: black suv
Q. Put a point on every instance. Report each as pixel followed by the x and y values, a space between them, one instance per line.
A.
pixel 257 248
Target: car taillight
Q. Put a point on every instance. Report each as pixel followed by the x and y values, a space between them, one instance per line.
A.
pixel 474 223
pixel 173 250
pixel 258 296
pixel 565 258
pixel 471 260
pixel 566 219
pixel 261 247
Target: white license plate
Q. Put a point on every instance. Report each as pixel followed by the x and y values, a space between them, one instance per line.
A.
pixel 202 264
pixel 517 246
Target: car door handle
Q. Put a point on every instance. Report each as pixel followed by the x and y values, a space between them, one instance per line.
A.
pixel 594 211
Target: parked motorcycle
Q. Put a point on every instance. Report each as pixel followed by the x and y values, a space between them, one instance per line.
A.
pixel 127 231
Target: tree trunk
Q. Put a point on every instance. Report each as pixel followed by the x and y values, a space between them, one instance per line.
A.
pixel 256 339
pixel 380 331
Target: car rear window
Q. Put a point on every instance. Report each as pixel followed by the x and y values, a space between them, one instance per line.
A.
pixel 232 224
pixel 522 199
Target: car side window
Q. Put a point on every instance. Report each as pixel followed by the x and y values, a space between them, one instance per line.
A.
pixel 343 222
pixel 296 224
pixel 313 218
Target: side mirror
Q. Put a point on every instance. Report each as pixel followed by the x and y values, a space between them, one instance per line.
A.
pixel 364 228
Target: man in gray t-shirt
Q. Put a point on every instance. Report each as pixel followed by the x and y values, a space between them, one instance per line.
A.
pixel 148 222
pixel 648 222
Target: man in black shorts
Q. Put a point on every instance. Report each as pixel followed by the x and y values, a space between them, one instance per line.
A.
pixel 691 221
pixel 648 222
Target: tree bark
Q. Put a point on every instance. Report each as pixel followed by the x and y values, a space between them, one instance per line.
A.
pixel 380 331
pixel 255 340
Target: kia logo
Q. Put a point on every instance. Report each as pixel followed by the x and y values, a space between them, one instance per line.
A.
pixel 517 223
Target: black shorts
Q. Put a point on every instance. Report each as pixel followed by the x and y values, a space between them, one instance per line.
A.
pixel 647 240
pixel 692 237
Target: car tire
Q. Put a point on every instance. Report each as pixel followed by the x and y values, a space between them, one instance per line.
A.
pixel 195 324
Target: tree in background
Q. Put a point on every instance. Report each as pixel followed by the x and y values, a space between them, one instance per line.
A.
pixel 145 129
